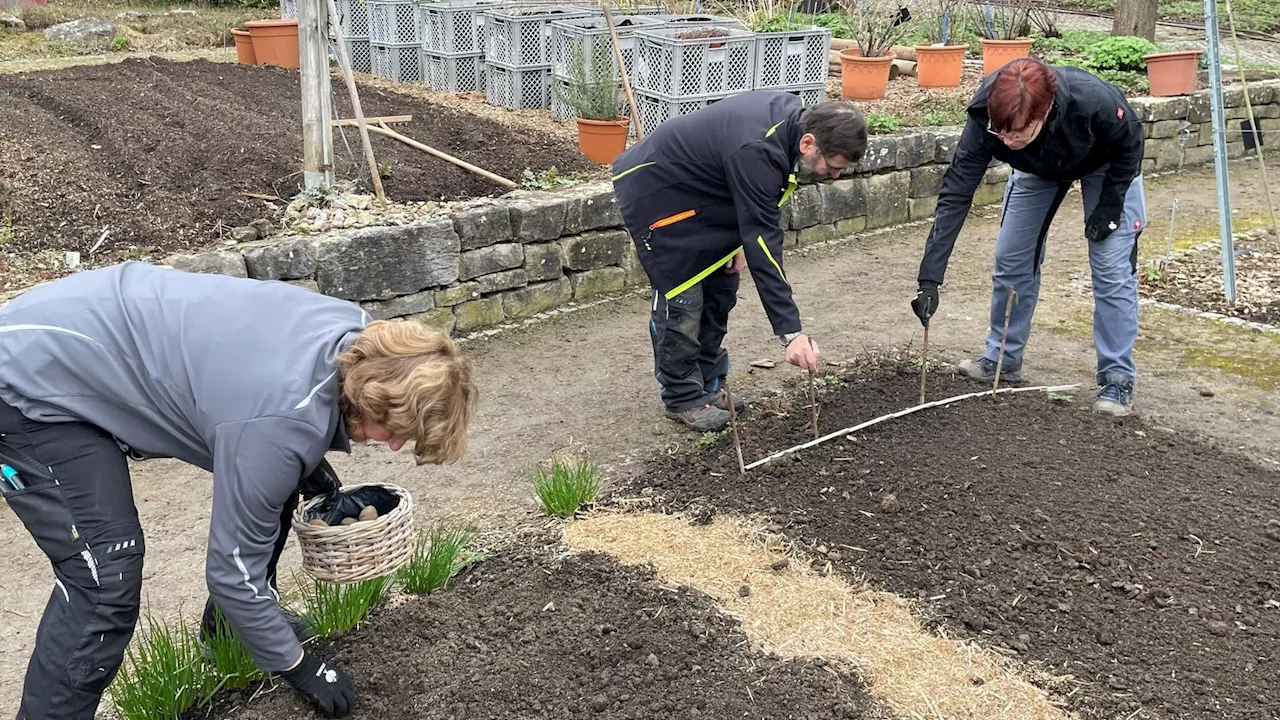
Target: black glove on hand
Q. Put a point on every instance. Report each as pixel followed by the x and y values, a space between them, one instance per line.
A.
pixel 925 303
pixel 322 481
pixel 324 684
pixel 1104 220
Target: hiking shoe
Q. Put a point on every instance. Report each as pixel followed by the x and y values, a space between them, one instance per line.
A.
pixel 984 370
pixel 706 418
pixel 1115 398
pixel 718 400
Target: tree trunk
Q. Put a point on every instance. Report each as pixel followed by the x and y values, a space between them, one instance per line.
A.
pixel 1135 17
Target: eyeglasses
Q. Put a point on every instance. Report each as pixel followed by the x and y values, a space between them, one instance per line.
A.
pixel 1027 133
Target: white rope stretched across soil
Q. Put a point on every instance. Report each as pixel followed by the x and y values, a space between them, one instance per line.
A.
pixel 908 411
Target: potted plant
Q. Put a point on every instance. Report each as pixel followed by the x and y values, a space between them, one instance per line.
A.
pixel 595 94
pixel 275 42
pixel 940 62
pixel 877 26
pixel 1005 33
pixel 244 46
pixel 1172 73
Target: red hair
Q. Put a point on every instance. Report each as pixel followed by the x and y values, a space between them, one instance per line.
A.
pixel 1020 94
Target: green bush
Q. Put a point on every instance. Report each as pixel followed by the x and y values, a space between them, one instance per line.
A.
pixel 333 609
pixel 567 486
pixel 1122 52
pixel 882 123
pixel 438 555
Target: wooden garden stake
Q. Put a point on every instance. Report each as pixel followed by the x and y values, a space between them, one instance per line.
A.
pixel 813 397
pixel 1008 310
pixel 344 62
pixel 924 356
pixel 622 70
pixel 733 422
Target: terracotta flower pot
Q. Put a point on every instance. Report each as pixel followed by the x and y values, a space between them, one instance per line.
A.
pixel 863 78
pixel 939 65
pixel 244 48
pixel 1173 73
pixel 275 42
pixel 601 141
pixel 998 53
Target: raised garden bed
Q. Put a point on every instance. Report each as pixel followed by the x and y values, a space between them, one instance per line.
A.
pixel 1194 279
pixel 162 154
pixel 1139 567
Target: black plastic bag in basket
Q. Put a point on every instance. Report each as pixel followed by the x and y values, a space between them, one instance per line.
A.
pixel 343 504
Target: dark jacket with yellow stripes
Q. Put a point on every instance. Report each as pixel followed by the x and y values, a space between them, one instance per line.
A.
pixel 706 184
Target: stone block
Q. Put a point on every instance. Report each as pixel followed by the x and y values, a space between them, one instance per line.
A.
pixel 927 180
pixel 1199 108
pixel 540 297
pixel 790 238
pixel 947 140
pixel 988 194
pixel 843 199
pixel 636 276
pixel 379 263
pixel 595 249
pixel 819 233
pixel 601 281
pixel 305 284
pixel 492 259
pixel 887 198
pixel 1235 150
pixel 485 312
pixel 1148 166
pixel 923 207
pixel 543 261
pixel 997 175
pixel 400 306
pixel 1165 128
pixel 1165 108
pixel 1201 155
pixel 591 210
pixel 506 280
pixel 849 226
pixel 915 150
pixel 882 153
pixel 441 319
pixel 284 260
pixel 1267 111
pixel 483 225
pixel 1232 97
pixel 806 207
pixel 82 30
pixel 538 218
pixel 218 262
pixel 457 294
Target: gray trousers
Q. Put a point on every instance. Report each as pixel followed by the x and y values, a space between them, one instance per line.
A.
pixel 1030 203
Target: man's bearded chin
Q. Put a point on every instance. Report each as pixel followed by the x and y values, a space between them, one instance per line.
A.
pixel 807 176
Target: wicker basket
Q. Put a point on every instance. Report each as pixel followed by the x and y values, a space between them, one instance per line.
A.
pixel 362 550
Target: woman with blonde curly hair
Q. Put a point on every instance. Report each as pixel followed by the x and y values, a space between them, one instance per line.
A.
pixel 253 381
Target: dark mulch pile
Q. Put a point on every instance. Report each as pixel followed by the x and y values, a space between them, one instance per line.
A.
pixel 1195 280
pixel 1144 563
pixel 517 637
pixel 161 151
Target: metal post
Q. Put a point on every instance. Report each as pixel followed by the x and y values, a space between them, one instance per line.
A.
pixel 313 68
pixel 1220 150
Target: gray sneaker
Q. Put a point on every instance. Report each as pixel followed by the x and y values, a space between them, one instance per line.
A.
pixel 718 400
pixel 984 370
pixel 1115 398
pixel 707 418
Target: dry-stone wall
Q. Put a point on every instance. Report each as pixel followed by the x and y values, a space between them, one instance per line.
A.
pixel 526 253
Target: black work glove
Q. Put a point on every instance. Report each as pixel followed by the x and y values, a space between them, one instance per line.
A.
pixel 324 684
pixel 322 481
pixel 925 303
pixel 1102 222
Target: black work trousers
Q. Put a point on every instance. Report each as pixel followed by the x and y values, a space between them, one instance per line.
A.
pixel 687 331
pixel 78 505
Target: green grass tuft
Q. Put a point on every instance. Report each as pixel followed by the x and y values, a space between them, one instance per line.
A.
pixel 566 486
pixel 437 557
pixel 332 609
pixel 233 666
pixel 162 674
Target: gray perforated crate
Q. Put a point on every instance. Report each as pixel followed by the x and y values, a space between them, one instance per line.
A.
pixel 402 63
pixel 288 9
pixel 788 59
pixel 676 67
pixel 454 26
pixel 655 110
pixel 809 94
pixel 359 52
pixel 394 22
pixel 696 20
pixel 520 35
pixel 590 37
pixel 454 72
pixel 516 87
pixel 353 15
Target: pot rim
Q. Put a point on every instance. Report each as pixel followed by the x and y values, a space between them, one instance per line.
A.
pixel 865 59
pixel 285 22
pixel 940 48
pixel 620 120
pixel 1172 54
pixel 1001 41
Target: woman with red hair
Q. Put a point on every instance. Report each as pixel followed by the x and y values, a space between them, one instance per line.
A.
pixel 1053 126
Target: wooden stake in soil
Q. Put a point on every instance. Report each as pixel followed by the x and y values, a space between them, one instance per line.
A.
pixel 924 356
pixel 1008 310
pixel 384 130
pixel 733 422
pixel 622 70
pixel 813 396
pixel 344 63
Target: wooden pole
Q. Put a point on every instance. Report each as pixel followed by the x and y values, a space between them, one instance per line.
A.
pixel 344 63
pixel 384 130
pixel 622 70
pixel 924 356
pixel 1008 310
pixel 733 422
pixel 317 157
pixel 813 397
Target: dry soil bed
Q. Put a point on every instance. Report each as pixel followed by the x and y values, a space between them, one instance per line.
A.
pixel 520 636
pixel 1194 280
pixel 162 153
pixel 1143 563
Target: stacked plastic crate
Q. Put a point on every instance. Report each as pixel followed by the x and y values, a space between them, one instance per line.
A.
pixel 794 61
pixel 589 39
pixel 395 39
pixel 517 54
pixel 687 65
pixel 453 44
pixel 353 17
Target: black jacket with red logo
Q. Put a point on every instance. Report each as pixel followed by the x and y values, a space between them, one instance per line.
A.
pixel 703 185
pixel 1090 125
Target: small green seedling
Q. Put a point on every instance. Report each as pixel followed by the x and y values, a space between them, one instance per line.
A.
pixel 162 674
pixel 332 609
pixel 1063 398
pixel 567 486
pixel 437 557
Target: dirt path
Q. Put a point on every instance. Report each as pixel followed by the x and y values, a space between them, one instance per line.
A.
pixel 585 381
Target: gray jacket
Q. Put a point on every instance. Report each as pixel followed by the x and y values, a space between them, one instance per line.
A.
pixel 232 375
